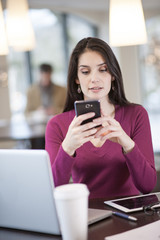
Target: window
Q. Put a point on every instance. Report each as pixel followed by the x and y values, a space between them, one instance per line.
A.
pixel 49 43
pixel 78 29
pixel 17 80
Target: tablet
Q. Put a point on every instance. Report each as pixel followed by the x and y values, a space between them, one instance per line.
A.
pixel 136 203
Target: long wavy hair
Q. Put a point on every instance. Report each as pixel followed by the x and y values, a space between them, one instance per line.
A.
pixel 116 94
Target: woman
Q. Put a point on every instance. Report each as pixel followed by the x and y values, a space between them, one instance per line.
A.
pixel 115 159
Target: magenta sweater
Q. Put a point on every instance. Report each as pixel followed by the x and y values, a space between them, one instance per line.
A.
pixel 106 170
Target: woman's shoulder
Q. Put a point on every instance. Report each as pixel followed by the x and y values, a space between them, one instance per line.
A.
pixel 62 118
pixel 131 112
pixel 135 108
pixel 135 113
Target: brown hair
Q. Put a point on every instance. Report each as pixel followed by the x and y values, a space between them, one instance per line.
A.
pixel 44 67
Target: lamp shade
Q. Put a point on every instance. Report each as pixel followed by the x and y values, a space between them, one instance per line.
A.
pixel 3 37
pixel 126 23
pixel 19 28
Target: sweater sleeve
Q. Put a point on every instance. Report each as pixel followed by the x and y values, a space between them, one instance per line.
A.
pixel 140 160
pixel 61 162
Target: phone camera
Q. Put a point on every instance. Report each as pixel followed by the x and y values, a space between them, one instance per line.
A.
pixel 88 105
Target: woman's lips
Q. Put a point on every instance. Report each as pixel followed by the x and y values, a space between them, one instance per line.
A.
pixel 95 89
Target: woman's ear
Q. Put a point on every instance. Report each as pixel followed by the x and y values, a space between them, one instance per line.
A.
pixel 77 81
pixel 113 78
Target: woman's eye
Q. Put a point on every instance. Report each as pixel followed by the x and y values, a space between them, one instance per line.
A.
pixel 85 72
pixel 103 70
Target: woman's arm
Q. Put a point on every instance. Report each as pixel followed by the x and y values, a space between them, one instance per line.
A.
pixel 61 162
pixel 61 144
pixel 137 148
pixel 140 160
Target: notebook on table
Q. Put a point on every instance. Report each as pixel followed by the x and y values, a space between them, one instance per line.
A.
pixel 26 193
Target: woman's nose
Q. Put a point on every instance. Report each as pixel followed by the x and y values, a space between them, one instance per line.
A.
pixel 94 78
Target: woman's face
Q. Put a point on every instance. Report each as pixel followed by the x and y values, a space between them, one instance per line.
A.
pixel 93 76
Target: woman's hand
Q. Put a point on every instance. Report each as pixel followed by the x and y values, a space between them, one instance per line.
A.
pixel 78 134
pixel 112 130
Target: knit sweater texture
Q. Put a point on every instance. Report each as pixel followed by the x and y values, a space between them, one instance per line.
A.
pixel 106 170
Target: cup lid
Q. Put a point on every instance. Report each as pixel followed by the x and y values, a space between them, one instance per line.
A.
pixel 71 190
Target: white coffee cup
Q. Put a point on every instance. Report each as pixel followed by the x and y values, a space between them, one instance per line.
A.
pixel 72 208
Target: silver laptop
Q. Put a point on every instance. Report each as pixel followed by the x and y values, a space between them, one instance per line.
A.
pixel 26 192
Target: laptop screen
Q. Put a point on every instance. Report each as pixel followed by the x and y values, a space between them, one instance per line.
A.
pixel 26 191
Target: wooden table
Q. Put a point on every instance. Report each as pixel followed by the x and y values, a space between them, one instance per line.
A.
pixel 97 231
pixel 115 225
pixel 24 129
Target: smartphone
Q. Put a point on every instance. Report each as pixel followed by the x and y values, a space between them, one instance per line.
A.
pixel 82 107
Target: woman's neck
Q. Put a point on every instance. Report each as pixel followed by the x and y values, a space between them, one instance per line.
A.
pixel 107 108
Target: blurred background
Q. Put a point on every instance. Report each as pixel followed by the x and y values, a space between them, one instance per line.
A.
pixel 57 26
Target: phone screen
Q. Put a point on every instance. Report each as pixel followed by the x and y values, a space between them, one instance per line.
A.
pixel 82 107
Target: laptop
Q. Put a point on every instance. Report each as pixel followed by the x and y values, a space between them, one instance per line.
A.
pixel 26 193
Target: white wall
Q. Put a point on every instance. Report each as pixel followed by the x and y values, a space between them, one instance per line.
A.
pixel 130 71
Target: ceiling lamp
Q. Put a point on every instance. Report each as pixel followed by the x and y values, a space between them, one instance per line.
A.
pixel 126 23
pixel 19 28
pixel 3 37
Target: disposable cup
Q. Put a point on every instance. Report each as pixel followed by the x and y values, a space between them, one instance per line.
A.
pixel 72 209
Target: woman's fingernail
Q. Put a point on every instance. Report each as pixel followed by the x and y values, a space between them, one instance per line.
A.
pixel 105 133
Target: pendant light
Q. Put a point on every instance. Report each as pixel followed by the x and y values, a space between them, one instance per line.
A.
pixel 126 23
pixel 19 28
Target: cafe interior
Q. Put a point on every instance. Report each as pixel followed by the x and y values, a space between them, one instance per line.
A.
pixel 37 31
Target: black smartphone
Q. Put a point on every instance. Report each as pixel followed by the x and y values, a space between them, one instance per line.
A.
pixel 82 107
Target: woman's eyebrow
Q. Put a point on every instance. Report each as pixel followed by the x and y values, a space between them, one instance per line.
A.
pixel 83 66
pixel 102 64
pixel 88 66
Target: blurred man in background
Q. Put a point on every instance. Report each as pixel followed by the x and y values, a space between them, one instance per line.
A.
pixel 45 95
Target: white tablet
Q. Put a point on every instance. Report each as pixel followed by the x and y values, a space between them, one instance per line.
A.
pixel 136 203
